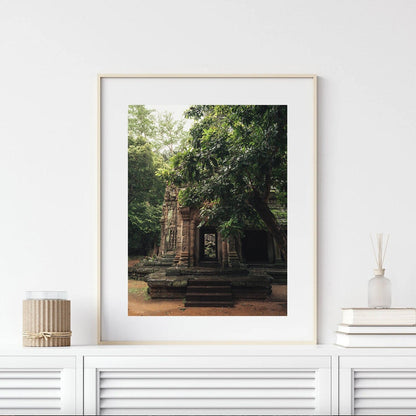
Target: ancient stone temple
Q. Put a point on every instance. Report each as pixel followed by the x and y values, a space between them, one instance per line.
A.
pixel 169 222
pixel 196 264
pixel 190 245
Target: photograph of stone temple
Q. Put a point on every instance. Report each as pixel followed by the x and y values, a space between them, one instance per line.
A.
pixel 207 210
pixel 188 244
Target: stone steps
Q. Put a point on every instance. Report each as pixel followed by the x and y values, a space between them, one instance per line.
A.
pixel 206 282
pixel 208 289
pixel 210 264
pixel 209 293
pixel 208 273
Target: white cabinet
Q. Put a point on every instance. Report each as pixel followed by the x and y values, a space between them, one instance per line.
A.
pixel 377 385
pixel 208 380
pixel 195 385
pixel 37 385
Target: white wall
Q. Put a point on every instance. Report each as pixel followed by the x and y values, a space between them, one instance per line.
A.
pixel 50 53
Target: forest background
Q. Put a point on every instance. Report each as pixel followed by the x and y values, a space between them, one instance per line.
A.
pixel 230 162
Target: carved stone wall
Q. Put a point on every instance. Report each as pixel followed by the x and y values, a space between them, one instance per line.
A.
pixel 180 237
pixel 169 222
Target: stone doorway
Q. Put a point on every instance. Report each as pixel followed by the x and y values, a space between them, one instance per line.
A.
pixel 208 245
pixel 256 247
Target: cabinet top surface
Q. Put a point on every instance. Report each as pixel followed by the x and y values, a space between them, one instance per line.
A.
pixel 203 350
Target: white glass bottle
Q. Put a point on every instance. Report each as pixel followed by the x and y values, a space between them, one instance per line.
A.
pixel 379 290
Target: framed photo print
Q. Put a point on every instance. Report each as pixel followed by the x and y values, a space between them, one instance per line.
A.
pixel 207 201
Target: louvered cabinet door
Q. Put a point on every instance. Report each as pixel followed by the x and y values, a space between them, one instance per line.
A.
pixel 377 385
pixel 37 385
pixel 207 385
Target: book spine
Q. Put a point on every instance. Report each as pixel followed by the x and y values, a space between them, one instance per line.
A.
pixel 376 329
pixel 376 341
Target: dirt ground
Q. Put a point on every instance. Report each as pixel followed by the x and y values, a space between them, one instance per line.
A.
pixel 134 260
pixel 140 304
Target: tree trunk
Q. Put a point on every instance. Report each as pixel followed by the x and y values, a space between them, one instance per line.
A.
pixel 276 229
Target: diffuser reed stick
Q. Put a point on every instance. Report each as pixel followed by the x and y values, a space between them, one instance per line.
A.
pixel 380 253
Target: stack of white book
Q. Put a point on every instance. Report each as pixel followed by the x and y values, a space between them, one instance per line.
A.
pixel 366 327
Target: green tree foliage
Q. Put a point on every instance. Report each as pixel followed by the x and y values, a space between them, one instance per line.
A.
pixel 235 162
pixel 145 188
pixel 152 140
pixel 170 135
pixel 141 123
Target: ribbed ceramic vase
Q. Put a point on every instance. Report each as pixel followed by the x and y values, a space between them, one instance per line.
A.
pixel 379 290
pixel 46 320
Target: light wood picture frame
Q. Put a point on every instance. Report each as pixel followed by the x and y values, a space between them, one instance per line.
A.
pixel 115 93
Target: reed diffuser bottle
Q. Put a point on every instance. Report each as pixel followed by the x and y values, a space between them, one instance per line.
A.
pixel 379 287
